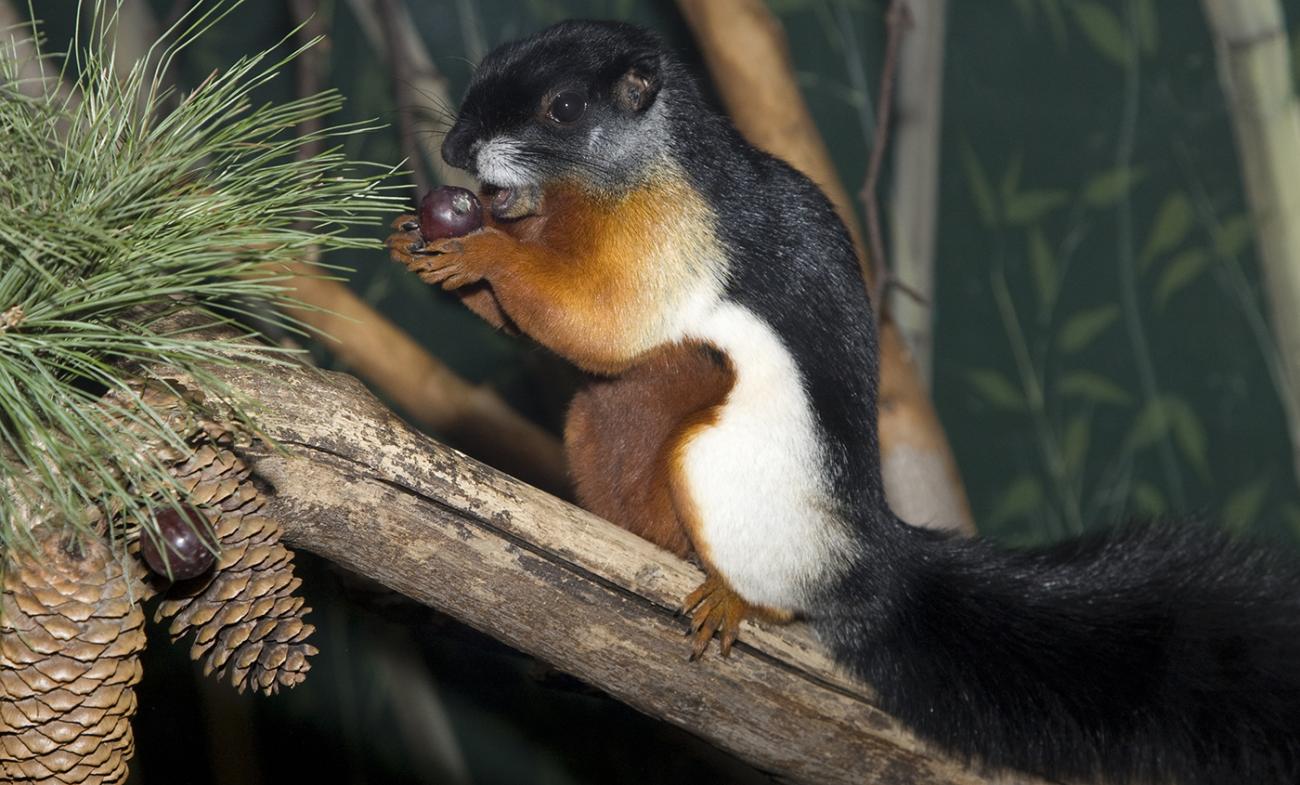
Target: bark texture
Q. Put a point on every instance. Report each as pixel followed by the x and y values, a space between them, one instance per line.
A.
pixel 356 485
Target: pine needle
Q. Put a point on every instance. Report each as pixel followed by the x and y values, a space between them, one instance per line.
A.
pixel 121 202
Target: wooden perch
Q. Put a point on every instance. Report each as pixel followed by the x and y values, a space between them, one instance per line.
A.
pixel 359 487
pixel 746 51
pixel 474 417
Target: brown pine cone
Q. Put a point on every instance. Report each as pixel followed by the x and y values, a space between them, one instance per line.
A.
pixel 246 615
pixel 71 631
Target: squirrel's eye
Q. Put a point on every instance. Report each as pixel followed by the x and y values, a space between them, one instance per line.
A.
pixel 567 107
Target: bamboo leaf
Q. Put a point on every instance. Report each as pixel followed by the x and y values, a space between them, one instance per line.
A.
pixel 1291 510
pixel 1234 235
pixel 994 388
pixel 1056 22
pixel 1189 435
pixel 1043 265
pixel 980 190
pixel 1181 271
pixel 1150 425
pixel 1148 26
pixel 1173 222
pixel 1107 188
pixel 1103 30
pixel 1074 445
pixel 1022 498
pixel 1011 177
pixel 1085 327
pixel 1029 207
pixel 1243 506
pixel 1093 388
pixel 1148 501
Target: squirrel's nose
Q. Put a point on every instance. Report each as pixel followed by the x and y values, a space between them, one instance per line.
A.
pixel 458 147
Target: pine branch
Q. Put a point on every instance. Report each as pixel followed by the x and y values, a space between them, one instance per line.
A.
pixel 113 207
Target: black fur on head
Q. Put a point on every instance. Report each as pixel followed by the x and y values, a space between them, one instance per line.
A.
pixel 578 99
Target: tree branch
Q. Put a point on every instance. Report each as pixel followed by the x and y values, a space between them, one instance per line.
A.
pixel 359 487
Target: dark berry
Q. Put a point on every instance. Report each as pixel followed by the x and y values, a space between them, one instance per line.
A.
pixel 449 211
pixel 189 543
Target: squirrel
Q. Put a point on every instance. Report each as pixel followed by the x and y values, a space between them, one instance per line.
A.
pixel 715 298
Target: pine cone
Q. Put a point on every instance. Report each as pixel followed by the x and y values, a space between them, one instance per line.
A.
pixel 246 615
pixel 71 631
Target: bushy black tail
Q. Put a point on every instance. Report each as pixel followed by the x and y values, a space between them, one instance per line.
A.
pixel 1149 654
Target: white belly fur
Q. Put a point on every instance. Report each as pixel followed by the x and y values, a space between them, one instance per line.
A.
pixel 757 477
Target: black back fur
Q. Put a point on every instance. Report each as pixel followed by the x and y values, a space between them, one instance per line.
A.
pixel 1153 653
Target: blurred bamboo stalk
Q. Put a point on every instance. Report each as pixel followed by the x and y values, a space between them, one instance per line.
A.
pixel 914 198
pixel 1255 70
pixel 745 49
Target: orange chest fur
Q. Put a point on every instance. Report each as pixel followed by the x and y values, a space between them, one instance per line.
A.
pixel 618 270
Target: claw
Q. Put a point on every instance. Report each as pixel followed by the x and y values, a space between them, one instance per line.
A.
pixel 405 223
pixel 716 609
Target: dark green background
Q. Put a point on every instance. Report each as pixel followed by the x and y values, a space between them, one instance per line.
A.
pixel 1037 191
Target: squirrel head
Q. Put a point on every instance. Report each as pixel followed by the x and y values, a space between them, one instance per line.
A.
pixel 578 101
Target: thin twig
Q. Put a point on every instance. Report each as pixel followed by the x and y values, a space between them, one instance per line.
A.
pixel 402 76
pixel 897 18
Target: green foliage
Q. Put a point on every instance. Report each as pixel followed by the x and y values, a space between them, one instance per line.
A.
pixel 1234 235
pixel 1148 501
pixel 1148 26
pixel 1172 224
pixel 980 188
pixel 1169 416
pixel 1022 498
pixel 1105 189
pixel 1093 388
pixel 1074 445
pixel 1084 327
pixel 1181 270
pixel 121 201
pixel 1042 263
pixel 1244 505
pixel 994 388
pixel 1103 30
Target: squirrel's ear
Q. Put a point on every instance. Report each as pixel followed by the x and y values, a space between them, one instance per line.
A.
pixel 637 88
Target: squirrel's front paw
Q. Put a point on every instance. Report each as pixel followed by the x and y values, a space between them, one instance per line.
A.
pixel 446 262
pixel 406 242
pixel 451 263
